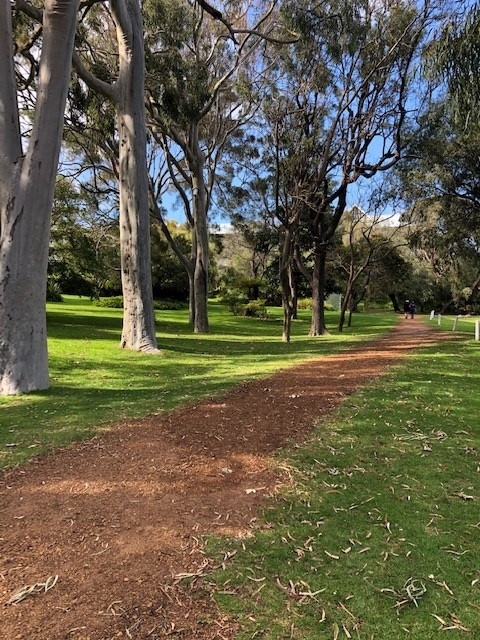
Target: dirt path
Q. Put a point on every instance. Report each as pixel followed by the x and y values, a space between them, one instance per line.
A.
pixel 118 517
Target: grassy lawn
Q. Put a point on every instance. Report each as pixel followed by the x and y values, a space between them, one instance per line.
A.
pixel 378 535
pixel 464 324
pixel 95 383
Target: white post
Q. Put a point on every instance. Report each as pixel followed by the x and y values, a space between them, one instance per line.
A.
pixel 455 322
pixel 439 320
pixel 432 314
pixel 477 330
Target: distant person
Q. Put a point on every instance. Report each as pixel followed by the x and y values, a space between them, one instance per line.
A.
pixel 412 308
pixel 406 308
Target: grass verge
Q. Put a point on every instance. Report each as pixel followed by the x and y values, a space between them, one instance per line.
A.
pixel 94 383
pixel 460 324
pixel 377 536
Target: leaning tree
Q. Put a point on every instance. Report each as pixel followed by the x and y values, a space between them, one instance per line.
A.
pixel 27 182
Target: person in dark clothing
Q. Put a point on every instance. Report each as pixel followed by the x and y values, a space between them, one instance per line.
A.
pixel 406 308
pixel 412 309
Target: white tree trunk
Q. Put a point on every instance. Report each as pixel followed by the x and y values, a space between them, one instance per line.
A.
pixel 138 319
pixel 10 145
pixel 28 185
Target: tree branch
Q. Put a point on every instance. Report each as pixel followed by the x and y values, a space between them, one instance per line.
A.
pixel 103 88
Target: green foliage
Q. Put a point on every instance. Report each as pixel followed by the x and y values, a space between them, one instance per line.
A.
pixel 328 306
pixel 454 56
pixel 169 305
pixel 169 277
pixel 54 293
pixel 234 299
pixel 304 303
pixel 83 255
pixel 240 295
pixel 440 179
pixel 255 309
pixel 381 505
pixel 94 383
pixel 114 302
pixel 170 25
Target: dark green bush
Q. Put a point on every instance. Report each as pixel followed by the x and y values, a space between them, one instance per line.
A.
pixel 114 302
pixel 255 309
pixel 170 305
pixel 304 303
pixel 53 292
pixel 235 300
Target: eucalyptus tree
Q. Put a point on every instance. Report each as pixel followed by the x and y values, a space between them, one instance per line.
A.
pixel 454 57
pixel 344 97
pixel 262 194
pixel 123 86
pixel 287 177
pixel 27 182
pixel 442 171
pixel 208 68
pixel 440 181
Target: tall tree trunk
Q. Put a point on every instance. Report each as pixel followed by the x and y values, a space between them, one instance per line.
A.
pixel 350 314
pixel 287 284
pixel 317 327
pixel 138 316
pixel 295 300
pixel 393 298
pixel 287 320
pixel 288 302
pixel 200 279
pixel 191 300
pixel 27 188
pixel 191 278
pixel 345 306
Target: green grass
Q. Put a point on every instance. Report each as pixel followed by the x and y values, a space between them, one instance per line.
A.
pixel 464 324
pixel 95 383
pixel 384 505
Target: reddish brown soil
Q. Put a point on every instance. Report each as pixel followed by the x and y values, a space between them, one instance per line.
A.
pixel 118 518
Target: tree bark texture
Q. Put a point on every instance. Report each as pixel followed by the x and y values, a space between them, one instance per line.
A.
pixel 317 327
pixel 345 306
pixel 138 318
pixel 27 195
pixel 200 278
pixel 287 284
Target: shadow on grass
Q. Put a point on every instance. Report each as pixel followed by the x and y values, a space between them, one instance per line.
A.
pixel 96 383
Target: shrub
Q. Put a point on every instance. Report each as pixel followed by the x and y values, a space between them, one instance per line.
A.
pixel 170 305
pixel 114 302
pixel 328 306
pixel 53 292
pixel 304 303
pixel 234 300
pixel 255 309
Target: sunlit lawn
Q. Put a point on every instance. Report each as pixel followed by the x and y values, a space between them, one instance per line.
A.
pixel 461 324
pixel 378 534
pixel 378 537
pixel 95 383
